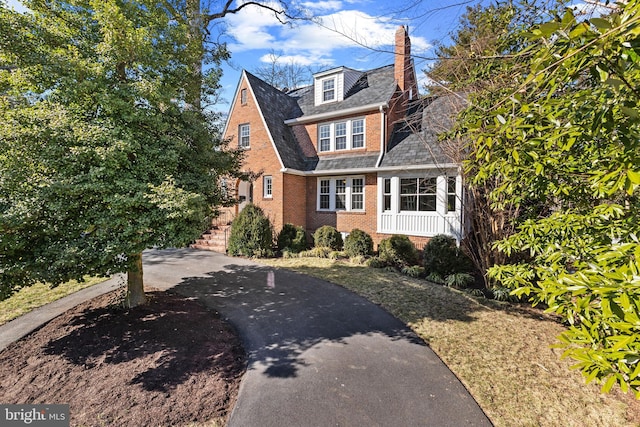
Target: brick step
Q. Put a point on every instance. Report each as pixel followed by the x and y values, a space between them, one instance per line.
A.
pixel 213 248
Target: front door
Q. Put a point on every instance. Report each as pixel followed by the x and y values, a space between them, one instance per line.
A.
pixel 245 194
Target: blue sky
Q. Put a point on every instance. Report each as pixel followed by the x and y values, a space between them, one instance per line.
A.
pixel 354 33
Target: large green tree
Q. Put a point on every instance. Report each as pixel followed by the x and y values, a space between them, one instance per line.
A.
pixel 478 65
pixel 104 149
pixel 568 132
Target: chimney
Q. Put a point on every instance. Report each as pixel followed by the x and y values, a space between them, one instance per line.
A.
pixel 402 66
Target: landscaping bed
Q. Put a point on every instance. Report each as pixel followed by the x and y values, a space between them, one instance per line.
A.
pixel 170 362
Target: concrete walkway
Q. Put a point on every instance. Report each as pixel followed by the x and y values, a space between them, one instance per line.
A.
pixel 318 354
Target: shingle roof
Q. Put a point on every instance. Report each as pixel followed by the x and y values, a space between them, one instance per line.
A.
pixel 415 141
pixel 276 106
pixel 374 86
pixel 344 161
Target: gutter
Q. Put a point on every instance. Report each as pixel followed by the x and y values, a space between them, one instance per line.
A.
pixel 374 169
pixel 383 127
pixel 333 114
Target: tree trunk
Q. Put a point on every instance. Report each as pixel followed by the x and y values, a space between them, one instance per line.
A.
pixel 135 285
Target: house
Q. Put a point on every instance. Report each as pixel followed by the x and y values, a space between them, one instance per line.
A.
pixel 356 149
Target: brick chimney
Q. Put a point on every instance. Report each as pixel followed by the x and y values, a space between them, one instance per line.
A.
pixel 403 66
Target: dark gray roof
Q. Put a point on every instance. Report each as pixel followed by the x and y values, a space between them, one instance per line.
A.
pixel 345 161
pixel 415 140
pixel 276 107
pixel 374 86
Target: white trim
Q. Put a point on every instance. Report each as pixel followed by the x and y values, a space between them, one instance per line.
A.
pixel 333 114
pixel 395 169
pixel 348 193
pixel 348 135
pixel 266 195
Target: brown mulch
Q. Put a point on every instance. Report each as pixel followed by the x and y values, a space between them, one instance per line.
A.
pixel 171 362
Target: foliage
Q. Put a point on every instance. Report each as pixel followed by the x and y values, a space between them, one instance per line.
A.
pixel 376 262
pixel 251 233
pixel 569 133
pixel 478 65
pixel 398 251
pixel 435 278
pixel 328 237
pixel 458 280
pixel 100 158
pixel 317 252
pixel 413 271
pixel 292 238
pixel 358 243
pixel 441 255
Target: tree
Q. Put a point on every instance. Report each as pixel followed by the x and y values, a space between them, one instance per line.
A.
pixel 102 153
pixel 478 66
pixel 569 133
pixel 283 74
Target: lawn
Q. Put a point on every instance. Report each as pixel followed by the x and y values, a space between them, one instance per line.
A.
pixel 501 352
pixel 38 295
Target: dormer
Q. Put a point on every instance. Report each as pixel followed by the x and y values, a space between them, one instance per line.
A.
pixel 332 85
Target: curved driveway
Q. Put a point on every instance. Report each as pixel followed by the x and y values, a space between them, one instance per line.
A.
pixel 319 355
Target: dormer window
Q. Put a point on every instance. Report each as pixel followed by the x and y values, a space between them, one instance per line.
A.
pixel 329 90
pixel 332 85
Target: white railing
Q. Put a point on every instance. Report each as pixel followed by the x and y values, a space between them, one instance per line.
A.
pixel 420 224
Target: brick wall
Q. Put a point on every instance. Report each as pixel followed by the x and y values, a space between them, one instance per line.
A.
pixel 260 158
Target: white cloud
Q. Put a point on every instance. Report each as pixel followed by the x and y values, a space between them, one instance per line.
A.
pixel 309 43
pixel 322 5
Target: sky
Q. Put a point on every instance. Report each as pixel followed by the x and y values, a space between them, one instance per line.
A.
pixel 358 34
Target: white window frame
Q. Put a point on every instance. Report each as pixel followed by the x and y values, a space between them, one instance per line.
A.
pixel 331 192
pixel 242 135
pixel 329 134
pixel 267 187
pixel 243 96
pixel 333 90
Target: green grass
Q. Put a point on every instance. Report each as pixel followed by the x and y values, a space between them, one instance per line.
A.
pixel 28 298
pixel 499 351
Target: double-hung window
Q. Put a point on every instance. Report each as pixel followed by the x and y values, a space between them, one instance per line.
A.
pixel 267 187
pixel 339 136
pixel 324 143
pixel 328 90
pixel 452 196
pixel 245 132
pixel 337 194
pixel 357 133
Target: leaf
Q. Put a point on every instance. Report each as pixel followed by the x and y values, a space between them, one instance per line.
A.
pixel 600 23
pixel 606 388
pixel 549 28
pixel 633 176
pixel 501 119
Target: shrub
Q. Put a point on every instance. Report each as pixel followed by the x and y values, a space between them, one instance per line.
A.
pixel 317 252
pixel 376 262
pixel 292 238
pixel 398 251
pixel 459 280
pixel 358 260
pixel 328 236
pixel 358 243
pixel 335 255
pixel 442 256
pixel 435 278
pixel 413 271
pixel 251 233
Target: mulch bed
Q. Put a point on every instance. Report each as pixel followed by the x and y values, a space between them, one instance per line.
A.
pixel 170 362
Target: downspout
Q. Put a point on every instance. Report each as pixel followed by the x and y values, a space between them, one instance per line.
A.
pixel 383 128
